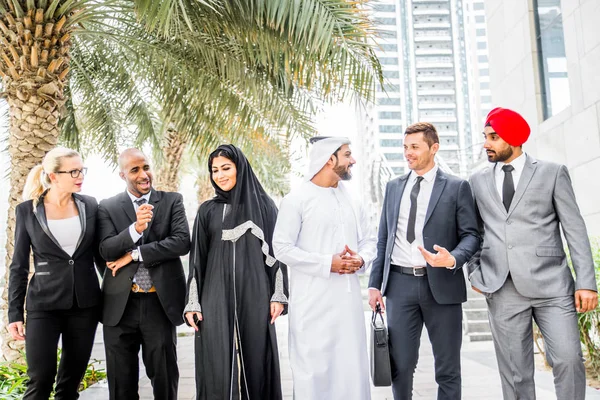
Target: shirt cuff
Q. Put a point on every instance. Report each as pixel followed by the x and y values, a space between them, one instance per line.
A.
pixel 135 236
pixel 140 258
pixel 452 267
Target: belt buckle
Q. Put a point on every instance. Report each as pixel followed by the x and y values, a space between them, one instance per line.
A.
pixel 420 274
pixel 136 288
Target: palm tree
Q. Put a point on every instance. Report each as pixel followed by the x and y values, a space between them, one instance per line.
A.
pixel 107 72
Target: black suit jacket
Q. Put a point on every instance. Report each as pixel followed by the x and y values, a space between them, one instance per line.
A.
pixel 166 239
pixel 450 222
pixel 58 277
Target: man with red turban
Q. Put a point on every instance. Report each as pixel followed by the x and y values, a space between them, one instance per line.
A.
pixel 522 268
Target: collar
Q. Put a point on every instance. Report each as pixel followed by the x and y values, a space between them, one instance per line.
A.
pixel 133 198
pixel 518 163
pixel 429 176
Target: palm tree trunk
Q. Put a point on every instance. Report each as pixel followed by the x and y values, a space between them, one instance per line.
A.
pixel 34 58
pixel 205 189
pixel 169 166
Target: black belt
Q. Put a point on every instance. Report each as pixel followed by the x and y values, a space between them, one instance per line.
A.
pixel 416 271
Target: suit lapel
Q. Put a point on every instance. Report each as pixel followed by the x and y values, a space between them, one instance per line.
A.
pixel 154 200
pixel 526 176
pixel 395 204
pixel 436 193
pixel 490 179
pixel 127 206
pixel 40 215
pixel 82 220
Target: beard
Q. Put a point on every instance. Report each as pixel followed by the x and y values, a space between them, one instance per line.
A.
pixel 500 156
pixel 343 172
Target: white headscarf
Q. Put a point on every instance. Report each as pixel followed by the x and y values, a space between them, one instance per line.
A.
pixel 321 151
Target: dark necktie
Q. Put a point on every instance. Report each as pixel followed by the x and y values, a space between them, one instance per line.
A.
pixel 508 187
pixel 142 276
pixel 412 215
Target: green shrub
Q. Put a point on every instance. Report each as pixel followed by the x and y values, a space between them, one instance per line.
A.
pixel 13 378
pixel 589 325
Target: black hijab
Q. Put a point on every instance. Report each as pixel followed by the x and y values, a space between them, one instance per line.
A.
pixel 247 200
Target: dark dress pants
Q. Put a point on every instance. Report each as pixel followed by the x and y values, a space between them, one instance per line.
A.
pixel 76 328
pixel 144 324
pixel 410 303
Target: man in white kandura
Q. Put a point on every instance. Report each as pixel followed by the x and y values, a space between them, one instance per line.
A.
pixel 323 236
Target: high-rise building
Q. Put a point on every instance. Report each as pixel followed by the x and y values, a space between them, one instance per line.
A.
pixel 478 68
pixel 422 50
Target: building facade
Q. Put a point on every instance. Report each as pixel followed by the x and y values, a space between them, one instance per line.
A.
pixel 544 57
pixel 424 57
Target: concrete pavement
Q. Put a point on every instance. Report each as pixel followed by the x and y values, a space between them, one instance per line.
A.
pixel 479 370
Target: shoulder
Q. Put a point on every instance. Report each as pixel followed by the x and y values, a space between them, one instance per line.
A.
pixel 168 196
pixel 111 201
pixel 477 175
pixel 25 207
pixel 88 200
pixel 548 165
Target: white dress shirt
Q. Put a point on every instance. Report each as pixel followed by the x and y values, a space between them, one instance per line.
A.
pixel 518 165
pixel 135 236
pixel 407 254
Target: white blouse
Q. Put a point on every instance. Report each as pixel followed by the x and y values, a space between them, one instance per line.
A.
pixel 67 232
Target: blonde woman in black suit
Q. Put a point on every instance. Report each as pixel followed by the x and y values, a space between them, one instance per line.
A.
pixel 63 296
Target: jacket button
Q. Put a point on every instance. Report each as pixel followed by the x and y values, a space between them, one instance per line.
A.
pixel 71 262
pixel 510 246
pixel 509 222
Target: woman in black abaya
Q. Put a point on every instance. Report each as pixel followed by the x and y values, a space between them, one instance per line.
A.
pixel 236 288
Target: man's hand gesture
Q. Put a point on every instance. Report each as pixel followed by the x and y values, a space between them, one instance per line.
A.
pixel 346 262
pixel 442 258
pixel 144 216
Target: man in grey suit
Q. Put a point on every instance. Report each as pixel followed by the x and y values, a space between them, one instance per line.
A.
pixel 428 230
pixel 522 268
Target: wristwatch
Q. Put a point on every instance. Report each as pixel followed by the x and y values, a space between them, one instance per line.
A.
pixel 135 255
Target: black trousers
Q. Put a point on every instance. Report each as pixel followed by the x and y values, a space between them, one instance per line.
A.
pixel 76 328
pixel 410 304
pixel 144 324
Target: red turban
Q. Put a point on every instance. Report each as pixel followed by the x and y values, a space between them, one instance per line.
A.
pixel 509 125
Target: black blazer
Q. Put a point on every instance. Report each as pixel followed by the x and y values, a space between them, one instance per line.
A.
pixel 450 222
pixel 166 239
pixel 58 277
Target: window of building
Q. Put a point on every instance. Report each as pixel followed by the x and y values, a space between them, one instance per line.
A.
pixel 388 60
pixel 388 101
pixel 484 72
pixel 478 6
pixel 389 47
pixel 484 85
pixel 390 115
pixel 385 21
pixel 386 34
pixel 390 142
pixel 384 7
pixel 482 59
pixel 486 99
pixel 481 45
pixel 480 19
pixel 394 156
pixel 390 129
pixel 391 74
pixel 552 58
pixel 398 170
pixel 388 87
pixel 480 32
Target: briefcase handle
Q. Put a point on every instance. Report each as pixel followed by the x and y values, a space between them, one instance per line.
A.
pixel 376 313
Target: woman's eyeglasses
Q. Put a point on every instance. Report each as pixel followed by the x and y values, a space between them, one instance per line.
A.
pixel 74 172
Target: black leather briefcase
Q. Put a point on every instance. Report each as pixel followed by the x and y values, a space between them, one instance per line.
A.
pixel 380 352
